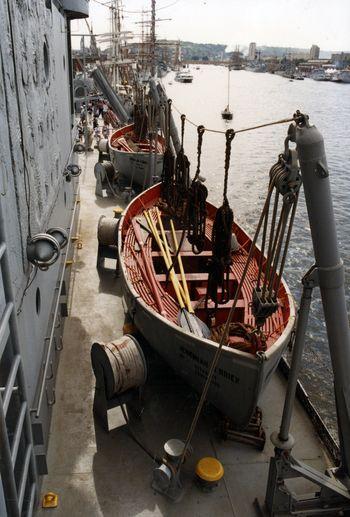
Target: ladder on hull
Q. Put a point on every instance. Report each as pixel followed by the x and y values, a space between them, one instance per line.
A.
pixel 18 474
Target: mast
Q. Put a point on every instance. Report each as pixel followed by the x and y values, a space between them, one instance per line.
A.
pixel 115 32
pixel 228 86
pixel 153 39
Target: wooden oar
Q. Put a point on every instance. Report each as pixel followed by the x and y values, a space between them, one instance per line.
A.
pixel 182 272
pixel 160 243
pixel 186 319
pixel 164 253
pixel 149 272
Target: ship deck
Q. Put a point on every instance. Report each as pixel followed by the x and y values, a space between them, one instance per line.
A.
pixel 96 473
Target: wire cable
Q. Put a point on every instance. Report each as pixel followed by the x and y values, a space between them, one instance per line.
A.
pixel 28 284
pixel 282 121
pixel 109 6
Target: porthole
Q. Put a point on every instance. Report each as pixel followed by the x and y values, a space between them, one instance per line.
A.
pixel 38 301
pixel 46 60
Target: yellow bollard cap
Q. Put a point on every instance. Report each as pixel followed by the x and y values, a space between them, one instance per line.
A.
pixel 50 500
pixel 117 212
pixel 209 469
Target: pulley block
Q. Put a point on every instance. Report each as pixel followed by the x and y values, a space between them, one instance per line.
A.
pixel 262 306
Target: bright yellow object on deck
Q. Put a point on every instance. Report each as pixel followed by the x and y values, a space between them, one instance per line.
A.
pixel 209 469
pixel 50 500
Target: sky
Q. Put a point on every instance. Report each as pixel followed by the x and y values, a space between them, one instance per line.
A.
pixel 285 23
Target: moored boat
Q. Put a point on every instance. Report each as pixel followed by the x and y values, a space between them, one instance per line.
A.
pixel 227 113
pixel 138 160
pixel 344 76
pixel 184 77
pixel 319 74
pixel 244 369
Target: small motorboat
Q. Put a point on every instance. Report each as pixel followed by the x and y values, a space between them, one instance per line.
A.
pixel 227 114
pixel 184 77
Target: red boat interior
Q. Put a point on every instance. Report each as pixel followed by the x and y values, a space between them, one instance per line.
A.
pixel 124 139
pixel 196 271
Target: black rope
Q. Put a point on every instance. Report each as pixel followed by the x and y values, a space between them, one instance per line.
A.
pixel 182 177
pixel 221 260
pixel 200 133
pixel 196 204
pixel 167 188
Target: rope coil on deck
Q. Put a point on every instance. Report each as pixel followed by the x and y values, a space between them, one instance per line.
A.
pixel 123 364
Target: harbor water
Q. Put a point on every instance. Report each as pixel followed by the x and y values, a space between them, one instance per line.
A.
pixel 256 99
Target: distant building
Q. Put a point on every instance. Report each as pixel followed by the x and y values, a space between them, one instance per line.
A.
pixel 341 59
pixel 299 55
pixel 314 52
pixel 252 51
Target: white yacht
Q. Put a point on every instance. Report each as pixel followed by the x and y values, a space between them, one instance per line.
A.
pixel 184 76
pixel 319 74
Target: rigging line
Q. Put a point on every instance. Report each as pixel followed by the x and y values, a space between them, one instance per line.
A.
pixel 109 6
pixel 30 280
pixel 282 121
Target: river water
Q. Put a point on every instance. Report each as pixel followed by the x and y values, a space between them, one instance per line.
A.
pixel 255 99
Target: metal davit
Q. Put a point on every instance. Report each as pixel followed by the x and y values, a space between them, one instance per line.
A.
pixel 333 498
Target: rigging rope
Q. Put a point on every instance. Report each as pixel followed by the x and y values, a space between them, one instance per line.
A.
pixel 167 188
pixel 220 262
pixel 289 190
pixel 296 118
pixel 182 177
pixel 196 204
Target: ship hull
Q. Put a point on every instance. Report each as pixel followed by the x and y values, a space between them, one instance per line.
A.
pixel 240 377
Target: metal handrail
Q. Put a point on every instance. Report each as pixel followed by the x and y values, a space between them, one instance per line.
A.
pixel 44 374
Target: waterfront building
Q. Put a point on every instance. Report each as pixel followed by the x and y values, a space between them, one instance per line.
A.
pixel 314 52
pixel 252 51
pixel 341 59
